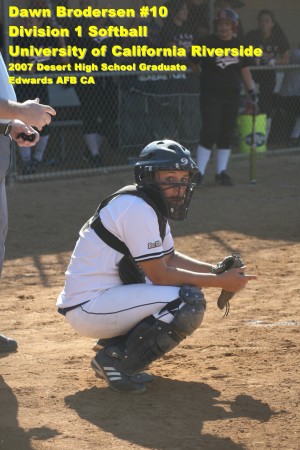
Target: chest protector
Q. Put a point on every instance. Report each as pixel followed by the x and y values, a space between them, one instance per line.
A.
pixel 129 271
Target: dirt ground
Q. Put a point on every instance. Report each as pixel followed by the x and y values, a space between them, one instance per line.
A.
pixel 233 385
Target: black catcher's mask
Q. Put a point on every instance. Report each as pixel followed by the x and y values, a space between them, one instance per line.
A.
pixel 170 156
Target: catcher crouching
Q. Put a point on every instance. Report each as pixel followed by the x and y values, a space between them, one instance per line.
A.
pixel 126 286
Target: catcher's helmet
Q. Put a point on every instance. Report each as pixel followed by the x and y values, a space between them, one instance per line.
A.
pixel 228 14
pixel 166 155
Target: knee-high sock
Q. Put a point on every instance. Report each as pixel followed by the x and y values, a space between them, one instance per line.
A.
pixel 40 148
pixel 223 155
pixel 203 155
pixel 92 142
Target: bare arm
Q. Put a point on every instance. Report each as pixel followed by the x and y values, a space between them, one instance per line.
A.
pixel 182 261
pixel 159 272
pixel 30 112
pixel 247 79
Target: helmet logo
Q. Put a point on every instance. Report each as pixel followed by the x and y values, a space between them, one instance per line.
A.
pixel 184 161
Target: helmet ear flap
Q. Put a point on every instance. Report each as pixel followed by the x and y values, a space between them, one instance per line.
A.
pixel 143 174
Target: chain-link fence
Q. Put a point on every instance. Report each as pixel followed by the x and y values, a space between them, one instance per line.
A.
pixel 131 110
pixel 103 122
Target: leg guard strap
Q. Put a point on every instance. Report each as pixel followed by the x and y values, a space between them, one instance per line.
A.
pixel 148 343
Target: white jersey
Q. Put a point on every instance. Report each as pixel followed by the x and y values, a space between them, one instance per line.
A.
pixel 94 265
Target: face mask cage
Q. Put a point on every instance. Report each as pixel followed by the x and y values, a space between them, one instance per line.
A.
pixel 176 195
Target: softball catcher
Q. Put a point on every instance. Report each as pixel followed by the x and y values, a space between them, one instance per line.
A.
pixel 126 285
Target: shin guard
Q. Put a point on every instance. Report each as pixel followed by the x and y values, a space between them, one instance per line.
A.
pixel 147 343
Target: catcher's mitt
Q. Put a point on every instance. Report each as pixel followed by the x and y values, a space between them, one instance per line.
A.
pixel 230 262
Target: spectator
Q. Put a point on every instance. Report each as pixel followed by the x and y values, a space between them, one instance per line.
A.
pixel 290 95
pixel 220 86
pixel 234 5
pixel 99 101
pixel 31 163
pixel 270 37
pixel 198 18
pixel 30 112
pixel 176 30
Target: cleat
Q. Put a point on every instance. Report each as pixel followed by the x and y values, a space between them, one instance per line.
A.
pixel 31 167
pixel 139 377
pixel 96 161
pixel 7 345
pixel 28 168
pixel 113 350
pixel 118 381
pixel 223 179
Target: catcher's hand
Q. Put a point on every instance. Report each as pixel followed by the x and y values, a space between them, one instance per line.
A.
pixel 230 262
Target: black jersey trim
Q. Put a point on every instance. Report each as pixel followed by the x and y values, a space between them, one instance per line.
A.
pixel 123 310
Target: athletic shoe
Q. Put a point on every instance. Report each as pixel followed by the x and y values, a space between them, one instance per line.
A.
pixel 293 142
pixel 139 377
pixel 105 367
pixel 36 165
pixel 92 160
pixel 223 179
pixel 96 161
pixel 28 168
pixel 31 167
pixel 7 345
pixel 112 350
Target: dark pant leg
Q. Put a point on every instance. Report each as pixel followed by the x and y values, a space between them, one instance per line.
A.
pixel 267 82
pixel 108 110
pixel 228 123
pixel 211 107
pixel 90 97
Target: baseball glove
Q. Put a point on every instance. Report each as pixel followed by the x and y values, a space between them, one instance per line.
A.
pixel 230 262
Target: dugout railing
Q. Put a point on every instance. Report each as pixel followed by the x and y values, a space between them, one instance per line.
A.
pixel 151 106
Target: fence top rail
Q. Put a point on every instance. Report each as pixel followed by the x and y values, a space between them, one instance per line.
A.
pixel 163 74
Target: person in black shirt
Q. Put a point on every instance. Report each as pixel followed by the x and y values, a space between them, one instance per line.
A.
pixel 99 100
pixel 220 86
pixel 198 18
pixel 175 30
pixel 270 37
pixel 31 163
pixel 234 5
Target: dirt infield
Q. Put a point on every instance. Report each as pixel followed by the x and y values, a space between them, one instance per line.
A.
pixel 233 385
